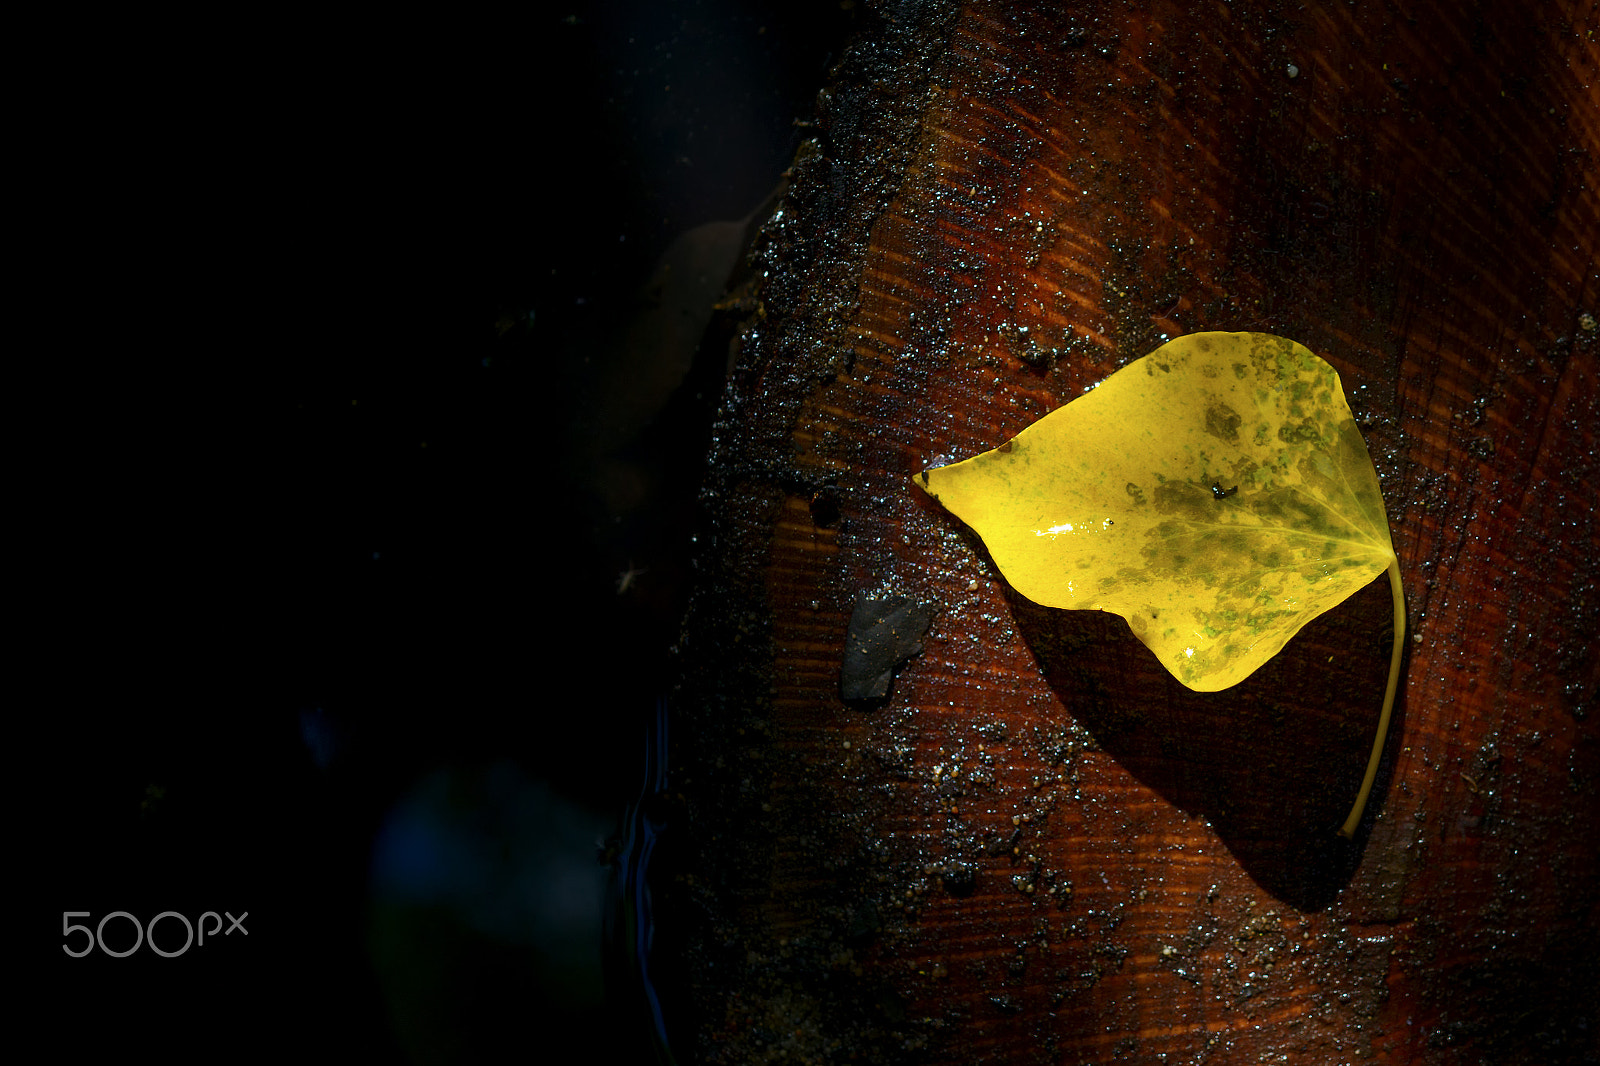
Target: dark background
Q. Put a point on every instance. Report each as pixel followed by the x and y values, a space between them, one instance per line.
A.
pixel 356 418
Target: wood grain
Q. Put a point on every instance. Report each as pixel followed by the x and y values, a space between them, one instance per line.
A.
pixel 1040 848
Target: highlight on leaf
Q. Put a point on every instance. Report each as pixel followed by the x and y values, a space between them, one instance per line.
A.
pixel 1216 494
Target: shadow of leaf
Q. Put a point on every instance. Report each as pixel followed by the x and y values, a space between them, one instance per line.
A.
pixel 1273 763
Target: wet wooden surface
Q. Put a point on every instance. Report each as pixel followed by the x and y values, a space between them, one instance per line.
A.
pixel 1040 848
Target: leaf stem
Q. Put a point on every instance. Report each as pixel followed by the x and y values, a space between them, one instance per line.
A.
pixel 1350 823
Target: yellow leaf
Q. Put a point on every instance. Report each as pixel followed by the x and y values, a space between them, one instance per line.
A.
pixel 1215 493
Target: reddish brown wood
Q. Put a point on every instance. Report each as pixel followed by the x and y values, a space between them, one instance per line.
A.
pixel 1041 849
